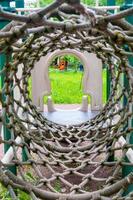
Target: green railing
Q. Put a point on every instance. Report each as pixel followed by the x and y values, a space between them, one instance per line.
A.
pixel 128 169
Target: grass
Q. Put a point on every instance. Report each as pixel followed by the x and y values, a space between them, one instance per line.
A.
pixel 67 87
pixel 5 195
pixel 57 186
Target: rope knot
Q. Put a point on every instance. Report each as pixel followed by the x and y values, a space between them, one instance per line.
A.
pixel 96 197
pixel 120 37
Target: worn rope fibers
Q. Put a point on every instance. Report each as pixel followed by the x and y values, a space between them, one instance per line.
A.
pixel 67 162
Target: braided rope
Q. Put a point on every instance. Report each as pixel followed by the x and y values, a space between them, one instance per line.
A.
pixel 67 162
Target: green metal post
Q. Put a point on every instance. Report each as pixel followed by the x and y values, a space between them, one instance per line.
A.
pixel 108 78
pixel 20 4
pixel 7 134
pixel 128 169
pixel 109 3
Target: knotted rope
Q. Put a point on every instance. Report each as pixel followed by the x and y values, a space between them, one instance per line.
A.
pixel 67 162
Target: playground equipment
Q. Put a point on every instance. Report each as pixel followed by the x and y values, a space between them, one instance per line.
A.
pixel 67 162
pixel 91 86
pixel 92 74
pixel 62 65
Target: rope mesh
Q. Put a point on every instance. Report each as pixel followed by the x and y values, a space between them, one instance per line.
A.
pixel 67 162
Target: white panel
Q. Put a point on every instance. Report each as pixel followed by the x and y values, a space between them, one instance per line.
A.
pixel 93 83
pixel 92 79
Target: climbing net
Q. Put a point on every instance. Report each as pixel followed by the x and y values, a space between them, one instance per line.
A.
pixel 67 162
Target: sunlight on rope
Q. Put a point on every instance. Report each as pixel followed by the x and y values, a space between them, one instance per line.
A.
pixel 67 162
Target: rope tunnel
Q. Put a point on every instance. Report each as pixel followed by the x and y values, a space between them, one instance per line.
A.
pixel 78 162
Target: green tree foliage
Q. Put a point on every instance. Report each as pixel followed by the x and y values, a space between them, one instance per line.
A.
pixel 45 2
pixel 101 2
pixel 120 2
pixel 73 62
pixel 88 2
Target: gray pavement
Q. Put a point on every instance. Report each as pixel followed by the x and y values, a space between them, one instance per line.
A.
pixel 69 114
